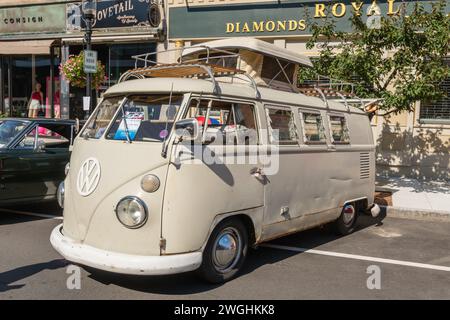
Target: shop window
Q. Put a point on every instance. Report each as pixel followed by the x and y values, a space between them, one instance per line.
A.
pixel 282 126
pixel 439 110
pixel 313 128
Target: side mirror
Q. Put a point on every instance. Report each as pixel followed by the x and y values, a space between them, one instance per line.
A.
pixel 187 130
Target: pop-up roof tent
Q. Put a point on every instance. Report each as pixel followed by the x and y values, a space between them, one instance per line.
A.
pixel 260 63
pixel 268 64
pixel 235 59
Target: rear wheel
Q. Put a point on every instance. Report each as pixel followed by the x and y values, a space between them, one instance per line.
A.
pixel 225 252
pixel 346 222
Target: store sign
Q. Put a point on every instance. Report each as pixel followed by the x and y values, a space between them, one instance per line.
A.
pixel 289 18
pixel 111 14
pixel 35 19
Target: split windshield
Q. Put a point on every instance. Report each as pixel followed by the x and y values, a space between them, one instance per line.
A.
pixel 147 118
pixel 10 129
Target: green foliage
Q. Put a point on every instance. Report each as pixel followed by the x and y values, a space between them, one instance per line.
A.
pixel 400 62
pixel 73 71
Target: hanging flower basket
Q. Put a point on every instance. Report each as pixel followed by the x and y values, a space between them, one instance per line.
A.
pixel 73 71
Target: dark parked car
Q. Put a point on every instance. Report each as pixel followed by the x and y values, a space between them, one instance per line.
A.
pixel 33 157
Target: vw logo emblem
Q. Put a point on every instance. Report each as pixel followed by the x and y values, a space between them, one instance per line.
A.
pixel 88 177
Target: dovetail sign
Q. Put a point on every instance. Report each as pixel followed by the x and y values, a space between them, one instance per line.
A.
pixel 275 18
pixel 111 14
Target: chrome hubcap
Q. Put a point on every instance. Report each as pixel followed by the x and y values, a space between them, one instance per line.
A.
pixel 348 214
pixel 227 249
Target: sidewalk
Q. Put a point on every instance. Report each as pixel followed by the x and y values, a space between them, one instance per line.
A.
pixel 417 199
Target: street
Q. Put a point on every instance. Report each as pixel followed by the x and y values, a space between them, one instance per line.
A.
pixel 416 265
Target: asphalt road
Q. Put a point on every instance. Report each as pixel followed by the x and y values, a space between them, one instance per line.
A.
pixel 417 266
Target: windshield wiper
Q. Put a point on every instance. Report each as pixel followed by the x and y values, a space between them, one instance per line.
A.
pixel 127 132
pixel 164 147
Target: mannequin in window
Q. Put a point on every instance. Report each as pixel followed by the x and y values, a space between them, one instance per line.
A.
pixel 37 100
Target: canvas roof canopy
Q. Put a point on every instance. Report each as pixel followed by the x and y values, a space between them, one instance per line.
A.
pixel 254 45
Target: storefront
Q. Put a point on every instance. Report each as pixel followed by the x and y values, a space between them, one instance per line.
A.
pixel 122 29
pixel 35 39
pixel 29 57
pixel 415 144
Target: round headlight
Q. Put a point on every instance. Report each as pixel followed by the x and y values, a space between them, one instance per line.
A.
pixel 60 194
pixel 131 212
pixel 67 168
pixel 150 183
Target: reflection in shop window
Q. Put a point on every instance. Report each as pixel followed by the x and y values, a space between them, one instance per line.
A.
pixel 439 110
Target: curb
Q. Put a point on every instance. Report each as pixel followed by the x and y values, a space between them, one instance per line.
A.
pixel 416 214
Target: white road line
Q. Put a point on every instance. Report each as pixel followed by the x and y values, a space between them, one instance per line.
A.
pixel 40 215
pixel 358 257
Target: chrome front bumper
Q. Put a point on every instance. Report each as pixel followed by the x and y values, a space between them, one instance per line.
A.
pixel 122 263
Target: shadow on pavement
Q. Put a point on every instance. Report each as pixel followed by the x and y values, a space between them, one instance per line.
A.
pixel 11 276
pixel 9 216
pixel 189 283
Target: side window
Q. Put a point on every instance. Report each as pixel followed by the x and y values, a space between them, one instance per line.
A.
pixel 46 139
pixel 313 128
pixel 339 129
pixel 246 126
pixel 282 126
pixel 228 122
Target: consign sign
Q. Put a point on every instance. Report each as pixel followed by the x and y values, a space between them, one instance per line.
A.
pixel 35 19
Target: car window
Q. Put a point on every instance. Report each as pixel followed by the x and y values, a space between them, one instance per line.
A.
pixel 282 126
pixel 47 139
pixel 9 129
pixel 147 117
pixel 103 115
pixel 230 123
pixel 339 129
pixel 313 128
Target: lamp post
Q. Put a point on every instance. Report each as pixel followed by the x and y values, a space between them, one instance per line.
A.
pixel 89 9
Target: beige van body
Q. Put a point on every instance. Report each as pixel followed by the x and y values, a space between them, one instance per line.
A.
pixel 311 186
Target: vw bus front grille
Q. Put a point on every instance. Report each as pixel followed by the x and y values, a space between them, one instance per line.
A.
pixel 364 165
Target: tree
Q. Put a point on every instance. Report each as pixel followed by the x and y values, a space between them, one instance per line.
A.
pixel 400 62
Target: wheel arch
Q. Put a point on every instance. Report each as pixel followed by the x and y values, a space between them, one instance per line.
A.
pixel 251 220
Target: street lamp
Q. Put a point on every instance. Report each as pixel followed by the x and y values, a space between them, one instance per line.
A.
pixel 89 9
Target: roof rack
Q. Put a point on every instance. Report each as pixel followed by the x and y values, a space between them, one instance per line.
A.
pixel 201 68
pixel 334 90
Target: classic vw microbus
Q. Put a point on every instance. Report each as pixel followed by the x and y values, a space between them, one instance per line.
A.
pixel 185 166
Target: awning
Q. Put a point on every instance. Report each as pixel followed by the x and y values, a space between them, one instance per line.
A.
pixel 25 47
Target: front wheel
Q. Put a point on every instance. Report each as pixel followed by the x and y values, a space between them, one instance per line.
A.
pixel 346 222
pixel 225 252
